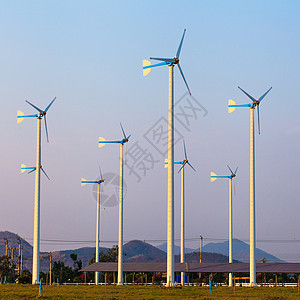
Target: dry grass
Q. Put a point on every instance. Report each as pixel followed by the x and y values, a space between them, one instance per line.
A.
pixel 143 292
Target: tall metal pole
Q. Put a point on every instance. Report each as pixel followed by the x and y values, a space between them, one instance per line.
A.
pixel 230 228
pixel 252 202
pixel 120 252
pixel 97 232
pixel 36 230
pixel 170 229
pixel 182 257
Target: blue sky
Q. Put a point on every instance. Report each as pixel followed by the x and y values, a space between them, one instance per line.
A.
pixel 89 55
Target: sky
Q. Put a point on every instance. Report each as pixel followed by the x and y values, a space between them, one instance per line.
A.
pixel 89 55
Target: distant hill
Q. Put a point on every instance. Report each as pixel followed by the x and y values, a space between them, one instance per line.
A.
pixel 138 251
pixel 135 251
pixel 241 251
pixel 12 239
pixel 163 247
pixel 84 254
pixel 207 257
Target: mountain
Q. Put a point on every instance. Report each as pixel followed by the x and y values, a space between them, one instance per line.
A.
pixel 138 251
pixel 207 257
pixel 83 254
pixel 241 251
pixel 135 251
pixel 163 247
pixel 13 240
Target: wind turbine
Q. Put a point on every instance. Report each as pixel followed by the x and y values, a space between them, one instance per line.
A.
pixel 102 143
pixel 182 242
pixel 170 62
pixel 36 232
pixel 83 183
pixel 231 108
pixel 213 177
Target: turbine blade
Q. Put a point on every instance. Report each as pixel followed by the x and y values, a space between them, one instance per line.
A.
pixel 101 178
pixel 234 186
pixel 46 129
pixel 258 121
pixel 230 170
pixel 32 171
pixel 38 109
pixel 169 60
pixel 191 166
pixel 184 78
pixel 265 94
pixel 128 136
pixel 182 167
pixel 46 109
pixel 44 173
pixel 180 45
pixel 123 131
pixel 184 150
pixel 254 100
pixel 236 170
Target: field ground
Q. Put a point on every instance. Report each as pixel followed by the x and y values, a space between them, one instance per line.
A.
pixel 12 291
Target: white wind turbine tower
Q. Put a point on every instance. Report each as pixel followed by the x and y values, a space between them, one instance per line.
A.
pixel 37 168
pixel 213 177
pixel 102 143
pixel 182 235
pixel 170 62
pixel 231 108
pixel 84 182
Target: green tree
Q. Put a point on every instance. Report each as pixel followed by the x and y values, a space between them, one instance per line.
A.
pixel 7 268
pixel 77 266
pixel 111 255
pixel 26 277
pixel 61 272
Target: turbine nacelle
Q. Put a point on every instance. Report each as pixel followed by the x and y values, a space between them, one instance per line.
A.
pixel 182 163
pixel 84 181
pixel 255 103
pixel 32 169
pixel 214 176
pixel 42 114
pixel 125 140
pixel 166 61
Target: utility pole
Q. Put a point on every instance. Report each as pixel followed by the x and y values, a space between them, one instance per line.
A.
pixel 10 251
pixel 201 242
pixel 50 280
pixel 6 246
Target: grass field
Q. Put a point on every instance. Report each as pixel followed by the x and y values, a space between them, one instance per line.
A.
pixel 145 292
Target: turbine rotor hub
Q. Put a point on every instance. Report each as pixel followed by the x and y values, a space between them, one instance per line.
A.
pixel 176 60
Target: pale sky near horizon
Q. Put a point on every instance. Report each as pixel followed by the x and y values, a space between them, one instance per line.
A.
pixel 89 55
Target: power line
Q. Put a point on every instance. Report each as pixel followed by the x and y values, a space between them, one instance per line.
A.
pixel 49 241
